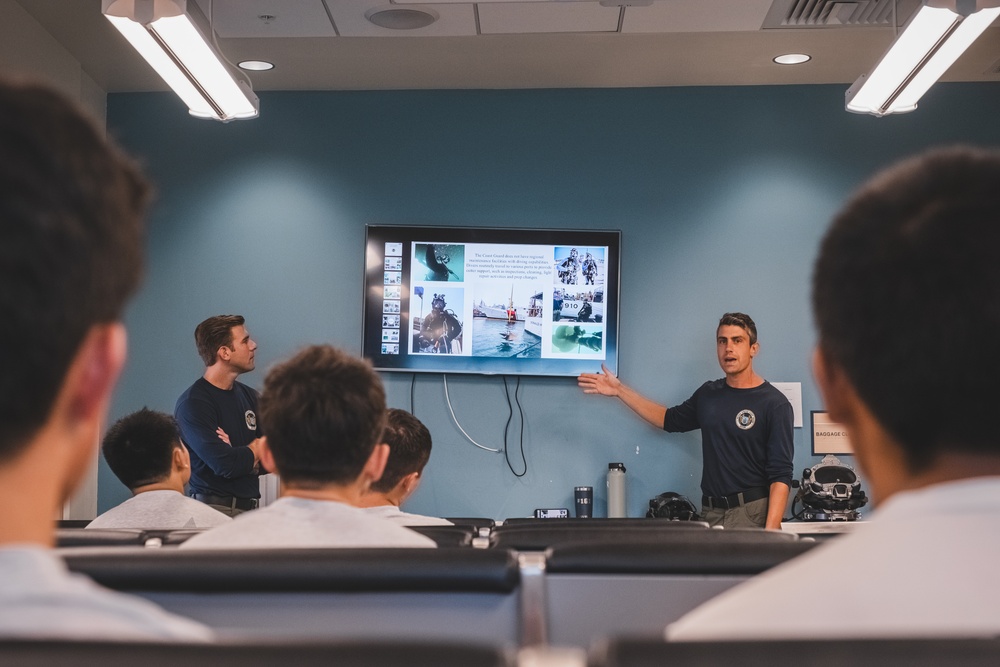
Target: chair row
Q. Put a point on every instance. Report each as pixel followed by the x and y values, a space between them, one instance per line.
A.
pixel 523 535
pixel 820 652
pixel 620 652
pixel 567 595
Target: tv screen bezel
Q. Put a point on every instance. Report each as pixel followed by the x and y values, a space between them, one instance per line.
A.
pixel 376 236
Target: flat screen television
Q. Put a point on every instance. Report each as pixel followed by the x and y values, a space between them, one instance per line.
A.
pixel 495 301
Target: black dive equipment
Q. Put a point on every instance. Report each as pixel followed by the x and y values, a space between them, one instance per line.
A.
pixel 829 491
pixel 673 506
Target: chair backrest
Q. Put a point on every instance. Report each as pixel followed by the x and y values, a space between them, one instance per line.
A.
pixel 294 570
pixel 829 652
pixel 170 538
pixel 447 536
pixel 540 536
pixel 98 537
pixel 477 522
pixel 465 595
pixel 710 552
pixel 122 537
pixel 640 586
pixel 616 521
pixel 385 652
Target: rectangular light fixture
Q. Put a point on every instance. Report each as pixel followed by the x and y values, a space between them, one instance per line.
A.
pixel 175 39
pixel 934 37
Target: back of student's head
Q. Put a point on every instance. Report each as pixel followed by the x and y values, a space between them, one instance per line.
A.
pixel 213 333
pixel 70 247
pixel 323 412
pixel 139 447
pixel 409 448
pixel 906 294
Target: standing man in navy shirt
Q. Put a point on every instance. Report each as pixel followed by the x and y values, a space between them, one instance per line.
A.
pixel 746 430
pixel 218 419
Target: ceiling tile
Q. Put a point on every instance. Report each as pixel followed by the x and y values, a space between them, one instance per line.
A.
pixel 675 16
pixel 351 21
pixel 292 18
pixel 547 17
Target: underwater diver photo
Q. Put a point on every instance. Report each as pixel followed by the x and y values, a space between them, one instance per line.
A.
pixel 440 330
pixel 577 339
pixel 443 262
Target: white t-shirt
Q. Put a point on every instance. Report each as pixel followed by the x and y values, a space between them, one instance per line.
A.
pixel 298 522
pixel 167 510
pixel 397 515
pixel 40 598
pixel 926 565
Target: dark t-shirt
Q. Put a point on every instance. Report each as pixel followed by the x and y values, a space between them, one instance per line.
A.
pixel 217 468
pixel 746 435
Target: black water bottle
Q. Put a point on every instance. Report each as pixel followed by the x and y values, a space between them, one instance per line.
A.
pixel 584 496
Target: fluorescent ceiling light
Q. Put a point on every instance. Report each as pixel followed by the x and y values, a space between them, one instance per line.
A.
pixel 171 36
pixel 937 34
pixel 605 3
pixel 466 2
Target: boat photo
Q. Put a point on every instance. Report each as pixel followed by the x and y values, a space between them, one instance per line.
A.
pixel 578 306
pixel 533 318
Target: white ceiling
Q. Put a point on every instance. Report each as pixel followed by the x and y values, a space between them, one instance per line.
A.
pixel 331 45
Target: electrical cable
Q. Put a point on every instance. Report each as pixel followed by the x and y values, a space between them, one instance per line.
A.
pixel 455 419
pixel 510 416
pixel 215 41
pixel 520 412
pixel 796 515
pixel 413 381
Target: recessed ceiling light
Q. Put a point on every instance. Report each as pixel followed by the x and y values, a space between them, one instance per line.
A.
pixel 256 65
pixel 792 59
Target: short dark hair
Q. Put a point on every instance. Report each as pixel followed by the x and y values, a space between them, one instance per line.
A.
pixel 139 447
pixel 213 333
pixel 409 448
pixel 323 412
pixel 906 293
pixel 741 320
pixel 71 207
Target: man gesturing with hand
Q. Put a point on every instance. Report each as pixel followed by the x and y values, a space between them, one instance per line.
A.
pixel 746 428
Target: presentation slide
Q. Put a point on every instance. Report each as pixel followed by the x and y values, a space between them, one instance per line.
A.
pixel 491 305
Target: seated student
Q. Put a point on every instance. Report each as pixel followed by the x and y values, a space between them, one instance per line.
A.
pixel 409 449
pixel 144 450
pixel 71 208
pixel 323 412
pixel 906 293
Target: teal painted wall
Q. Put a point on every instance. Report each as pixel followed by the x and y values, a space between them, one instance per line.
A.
pixel 721 194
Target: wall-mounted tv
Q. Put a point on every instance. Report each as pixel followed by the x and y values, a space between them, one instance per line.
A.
pixel 496 301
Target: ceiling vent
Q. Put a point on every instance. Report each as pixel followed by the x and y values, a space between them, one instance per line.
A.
pixel 837 13
pixel 400 18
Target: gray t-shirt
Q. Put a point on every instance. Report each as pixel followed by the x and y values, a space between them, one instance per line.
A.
pixel 924 566
pixel 298 522
pixel 166 510
pixel 40 599
pixel 396 515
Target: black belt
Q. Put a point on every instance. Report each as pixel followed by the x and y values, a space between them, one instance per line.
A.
pixel 227 501
pixel 735 499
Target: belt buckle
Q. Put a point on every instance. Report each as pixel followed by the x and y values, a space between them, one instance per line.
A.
pixel 720 503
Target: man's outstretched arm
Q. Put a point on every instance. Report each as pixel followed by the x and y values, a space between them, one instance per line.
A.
pixel 606 384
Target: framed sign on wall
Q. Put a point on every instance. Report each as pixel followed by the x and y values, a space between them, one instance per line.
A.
pixel 828 437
